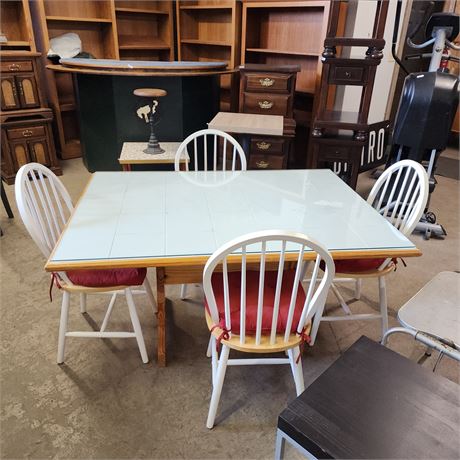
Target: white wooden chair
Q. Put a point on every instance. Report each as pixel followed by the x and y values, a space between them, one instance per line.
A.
pixel 209 149
pixel 400 195
pixel 45 207
pixel 256 304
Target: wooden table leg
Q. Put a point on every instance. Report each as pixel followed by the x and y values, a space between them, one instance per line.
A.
pixel 161 328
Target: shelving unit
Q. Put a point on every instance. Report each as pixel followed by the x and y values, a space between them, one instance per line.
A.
pixel 145 30
pixel 16 26
pixel 209 30
pixel 288 33
pixel 108 29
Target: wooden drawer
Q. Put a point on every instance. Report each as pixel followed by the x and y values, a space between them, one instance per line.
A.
pixel 347 75
pixel 268 82
pixel 16 66
pixel 267 145
pixel 264 161
pixel 337 152
pixel 26 132
pixel 266 104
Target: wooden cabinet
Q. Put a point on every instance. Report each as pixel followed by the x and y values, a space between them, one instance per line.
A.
pixel 209 30
pixel 18 89
pixel 27 139
pixel 26 133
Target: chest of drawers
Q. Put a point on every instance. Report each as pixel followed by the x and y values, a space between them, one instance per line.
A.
pixel 269 90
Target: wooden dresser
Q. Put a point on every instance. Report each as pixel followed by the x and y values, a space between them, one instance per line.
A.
pixel 26 133
pixel 269 90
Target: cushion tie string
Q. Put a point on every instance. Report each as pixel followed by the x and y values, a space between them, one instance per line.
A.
pixel 54 280
pixel 224 335
pixel 395 261
pixel 304 338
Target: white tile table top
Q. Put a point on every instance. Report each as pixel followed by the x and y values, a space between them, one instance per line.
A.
pixel 435 309
pixel 132 153
pixel 133 216
pixel 248 123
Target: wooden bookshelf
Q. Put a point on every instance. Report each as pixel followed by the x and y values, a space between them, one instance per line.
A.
pixel 210 30
pixel 145 29
pixel 16 26
pixel 108 29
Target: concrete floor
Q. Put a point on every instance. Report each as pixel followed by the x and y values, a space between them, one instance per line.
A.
pixel 104 403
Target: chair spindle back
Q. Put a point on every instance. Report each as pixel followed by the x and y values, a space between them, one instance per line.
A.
pixel 283 247
pixel 400 194
pixel 43 203
pixel 222 146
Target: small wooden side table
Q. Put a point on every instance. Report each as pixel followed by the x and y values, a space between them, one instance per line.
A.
pixel 132 154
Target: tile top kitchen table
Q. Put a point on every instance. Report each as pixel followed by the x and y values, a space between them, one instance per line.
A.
pixel 167 218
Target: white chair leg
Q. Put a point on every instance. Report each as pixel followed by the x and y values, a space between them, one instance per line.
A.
pixel 82 302
pixel 63 326
pixel 209 350
pixel 148 290
pixel 183 291
pixel 214 358
pixel 105 321
pixel 217 388
pixel 296 367
pixel 383 304
pixel 358 285
pixel 341 300
pixel 136 325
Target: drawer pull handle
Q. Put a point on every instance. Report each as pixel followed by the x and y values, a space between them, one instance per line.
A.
pixel 348 74
pixel 263 145
pixel 266 82
pixel 265 105
pixel 262 164
pixel 27 133
pixel 14 67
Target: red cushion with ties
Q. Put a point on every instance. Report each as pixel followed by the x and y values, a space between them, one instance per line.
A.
pixel 357 265
pixel 106 278
pixel 252 296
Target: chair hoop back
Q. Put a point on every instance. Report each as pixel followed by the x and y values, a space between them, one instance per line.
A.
pixel 201 144
pixel 43 203
pixel 400 194
pixel 268 246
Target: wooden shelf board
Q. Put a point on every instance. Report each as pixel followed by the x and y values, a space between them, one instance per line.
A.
pixel 144 46
pixel 194 41
pixel 207 7
pixel 72 19
pixel 274 51
pixel 140 11
pixel 15 43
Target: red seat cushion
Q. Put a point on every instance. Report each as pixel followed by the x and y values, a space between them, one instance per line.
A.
pixel 357 265
pixel 252 294
pixel 105 278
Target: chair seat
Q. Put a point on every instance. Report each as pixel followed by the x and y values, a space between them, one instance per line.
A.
pixel 106 278
pixel 252 295
pixel 357 265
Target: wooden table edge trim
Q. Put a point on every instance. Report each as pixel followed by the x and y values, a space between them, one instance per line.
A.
pixel 190 261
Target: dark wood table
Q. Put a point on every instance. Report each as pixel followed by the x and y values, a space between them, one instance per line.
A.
pixel 374 403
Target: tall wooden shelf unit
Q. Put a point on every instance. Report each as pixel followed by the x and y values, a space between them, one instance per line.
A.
pixel 210 30
pixel 26 134
pixel 288 33
pixel 108 29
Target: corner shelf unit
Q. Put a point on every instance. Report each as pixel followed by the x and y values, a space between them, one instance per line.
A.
pixel 283 33
pixel 210 30
pixel 16 27
pixel 108 29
